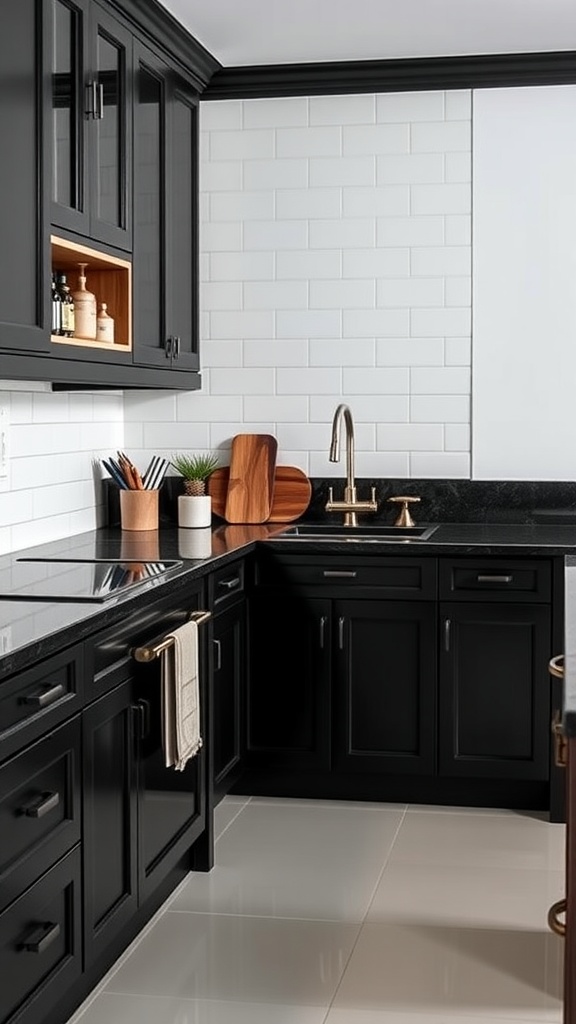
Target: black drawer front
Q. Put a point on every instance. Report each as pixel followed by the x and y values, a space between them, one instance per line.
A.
pixel 471 579
pixel 225 585
pixel 393 577
pixel 39 699
pixel 40 951
pixel 39 808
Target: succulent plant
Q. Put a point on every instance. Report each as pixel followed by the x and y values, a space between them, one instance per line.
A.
pixel 195 469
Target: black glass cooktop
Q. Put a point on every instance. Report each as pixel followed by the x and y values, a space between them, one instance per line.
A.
pixel 70 579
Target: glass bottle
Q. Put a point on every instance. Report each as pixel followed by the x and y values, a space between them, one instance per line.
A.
pixel 104 324
pixel 84 308
pixel 56 309
pixel 62 287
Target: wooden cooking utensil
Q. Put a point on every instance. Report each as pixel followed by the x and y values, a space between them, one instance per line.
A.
pixel 291 497
pixel 251 481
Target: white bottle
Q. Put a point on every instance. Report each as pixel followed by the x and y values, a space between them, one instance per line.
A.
pixel 104 324
pixel 84 308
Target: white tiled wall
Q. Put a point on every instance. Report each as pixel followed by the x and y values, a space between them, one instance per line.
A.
pixel 336 267
pixel 52 488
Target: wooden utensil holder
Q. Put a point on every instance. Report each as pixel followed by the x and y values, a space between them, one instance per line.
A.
pixel 139 510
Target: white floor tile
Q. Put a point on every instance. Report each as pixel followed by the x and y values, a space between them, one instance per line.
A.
pixel 384 1017
pixel 225 813
pixel 296 859
pixel 242 959
pixel 436 970
pixel 129 1009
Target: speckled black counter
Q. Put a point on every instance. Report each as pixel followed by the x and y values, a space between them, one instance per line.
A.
pixel 570 646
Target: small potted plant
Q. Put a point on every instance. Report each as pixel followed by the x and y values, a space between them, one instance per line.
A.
pixel 194 506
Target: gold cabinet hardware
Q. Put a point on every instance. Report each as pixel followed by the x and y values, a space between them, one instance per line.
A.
pixel 557 926
pixel 556 666
pixel 560 744
pixel 151 651
pixel 404 517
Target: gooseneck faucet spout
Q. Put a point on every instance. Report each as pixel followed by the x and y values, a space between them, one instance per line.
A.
pixel 350 505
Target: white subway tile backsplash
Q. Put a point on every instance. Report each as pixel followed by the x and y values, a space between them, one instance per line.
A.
pixel 410 168
pixel 457 437
pixel 338 294
pixel 306 265
pixel 379 138
pixel 342 110
pixel 303 437
pixel 367 323
pixel 274 113
pixel 435 322
pixel 447 260
pixel 447 198
pixel 458 104
pixel 441 137
pixel 458 229
pixel 369 263
pixel 242 266
pixel 360 170
pixel 339 352
pixel 277 408
pixel 224 176
pixel 352 233
pixel 440 380
pixel 391 200
pixel 410 292
pixel 219 295
pixel 310 381
pixel 249 324
pixel 221 115
pixel 458 291
pixel 246 144
pixel 410 106
pixel 262 174
pixel 377 381
pixel 222 353
pixel 308 142
pixel 275 295
pixel 410 352
pixel 410 437
pixel 409 231
pixel 241 206
pixel 440 409
pixel 458 351
pixel 447 466
pixel 154 406
pixel 251 380
pixel 275 234
pixel 457 167
pixel 160 439
pixel 196 407
pixel 276 353
pixel 308 324
pixel 221 237
pixel 299 203
pixel 365 409
pixel 50 408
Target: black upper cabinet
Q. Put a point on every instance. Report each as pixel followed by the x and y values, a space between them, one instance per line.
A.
pixel 24 293
pixel 91 130
pixel 165 215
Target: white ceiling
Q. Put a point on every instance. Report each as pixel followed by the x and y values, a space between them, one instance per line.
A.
pixel 245 32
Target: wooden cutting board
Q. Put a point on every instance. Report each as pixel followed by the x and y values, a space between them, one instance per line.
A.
pixel 291 497
pixel 251 480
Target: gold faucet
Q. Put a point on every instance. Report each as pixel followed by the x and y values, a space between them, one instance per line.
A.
pixel 350 505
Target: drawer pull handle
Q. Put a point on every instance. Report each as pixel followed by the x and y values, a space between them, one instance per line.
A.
pixel 341 622
pixel 447 628
pixel 218 649
pixel 42 937
pixel 323 621
pixel 43 700
pixel 554 924
pixel 40 806
pixel 229 584
pixel 556 666
pixel 494 579
pixel 348 573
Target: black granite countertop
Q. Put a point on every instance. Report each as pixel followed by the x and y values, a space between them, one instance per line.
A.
pixel 570 646
pixel 30 630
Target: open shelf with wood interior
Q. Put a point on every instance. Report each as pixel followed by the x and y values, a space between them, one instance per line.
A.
pixel 109 278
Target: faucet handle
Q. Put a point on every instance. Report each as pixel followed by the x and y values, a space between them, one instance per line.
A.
pixel 404 518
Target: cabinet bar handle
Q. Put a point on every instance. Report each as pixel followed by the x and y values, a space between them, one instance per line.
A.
pixel 43 700
pixel 153 650
pixel 349 573
pixel 40 806
pixel 168 347
pixel 447 628
pixel 90 97
pixel 229 584
pixel 99 102
pixel 177 346
pixel 42 937
pixel 323 621
pixel 218 649
pixel 494 579
pixel 556 666
pixel 341 622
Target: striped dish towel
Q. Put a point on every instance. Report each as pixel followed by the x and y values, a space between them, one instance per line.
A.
pixel 181 697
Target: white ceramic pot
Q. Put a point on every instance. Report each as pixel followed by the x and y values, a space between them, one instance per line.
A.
pixel 195 543
pixel 194 510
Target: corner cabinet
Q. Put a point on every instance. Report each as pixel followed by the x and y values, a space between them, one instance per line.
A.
pixel 165 215
pixel 25 278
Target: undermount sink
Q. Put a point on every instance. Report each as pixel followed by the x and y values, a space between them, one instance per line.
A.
pixel 376 534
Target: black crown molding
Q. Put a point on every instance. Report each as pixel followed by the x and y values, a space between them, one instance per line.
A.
pixel 152 21
pixel 328 78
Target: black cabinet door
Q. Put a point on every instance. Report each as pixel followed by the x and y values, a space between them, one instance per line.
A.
pixel 494 709
pixel 110 817
pixel 91 136
pixel 228 680
pixel 384 686
pixel 165 216
pixel 24 281
pixel 289 707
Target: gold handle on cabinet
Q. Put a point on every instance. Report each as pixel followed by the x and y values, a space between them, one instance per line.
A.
pixel 556 666
pixel 560 744
pixel 559 927
pixel 151 651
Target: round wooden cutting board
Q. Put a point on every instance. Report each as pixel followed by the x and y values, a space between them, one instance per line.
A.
pixel 290 497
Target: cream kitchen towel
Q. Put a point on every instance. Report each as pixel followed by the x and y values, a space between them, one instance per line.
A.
pixel 181 697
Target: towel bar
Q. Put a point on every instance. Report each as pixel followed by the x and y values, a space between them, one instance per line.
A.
pixel 151 651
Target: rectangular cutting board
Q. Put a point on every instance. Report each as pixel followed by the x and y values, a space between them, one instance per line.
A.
pixel 251 480
pixel 291 497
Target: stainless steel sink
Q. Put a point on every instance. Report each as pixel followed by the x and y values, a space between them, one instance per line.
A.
pixel 375 534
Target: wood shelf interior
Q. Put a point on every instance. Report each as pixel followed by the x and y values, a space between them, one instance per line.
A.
pixel 109 278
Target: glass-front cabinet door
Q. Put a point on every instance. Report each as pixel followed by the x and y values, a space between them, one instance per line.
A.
pixel 91 127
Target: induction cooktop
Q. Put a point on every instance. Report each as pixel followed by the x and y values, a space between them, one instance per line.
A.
pixel 91 580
